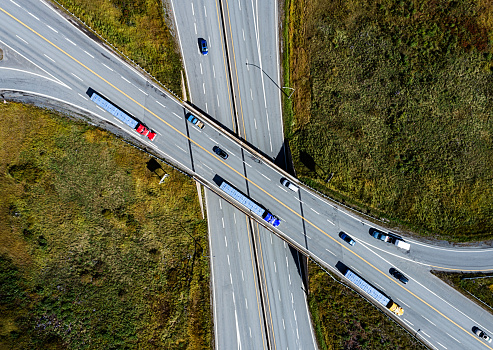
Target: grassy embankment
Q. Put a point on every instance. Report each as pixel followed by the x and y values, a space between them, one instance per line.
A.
pixel 481 288
pixel 138 29
pixel 95 254
pixel 375 105
pixel 396 99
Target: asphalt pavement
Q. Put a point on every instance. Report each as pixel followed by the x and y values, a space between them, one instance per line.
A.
pixel 439 316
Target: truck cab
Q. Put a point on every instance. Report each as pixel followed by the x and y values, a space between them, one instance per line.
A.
pixel 271 219
pixel 141 129
pixel 396 309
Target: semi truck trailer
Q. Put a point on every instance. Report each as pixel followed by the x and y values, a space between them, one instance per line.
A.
pixel 251 205
pixel 373 292
pixel 124 117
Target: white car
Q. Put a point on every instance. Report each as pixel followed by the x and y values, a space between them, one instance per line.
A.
pixel 289 185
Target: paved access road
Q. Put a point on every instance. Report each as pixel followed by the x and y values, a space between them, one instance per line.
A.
pixel 443 317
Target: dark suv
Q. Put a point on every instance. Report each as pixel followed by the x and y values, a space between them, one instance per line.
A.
pixel 220 152
pixel 346 238
pixel 398 275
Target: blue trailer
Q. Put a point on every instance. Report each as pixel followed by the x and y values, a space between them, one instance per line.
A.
pixel 247 202
pixel 101 102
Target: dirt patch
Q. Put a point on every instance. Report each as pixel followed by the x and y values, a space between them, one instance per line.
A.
pixel 1 54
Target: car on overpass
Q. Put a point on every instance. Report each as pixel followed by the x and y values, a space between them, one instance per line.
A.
pixel 220 152
pixel 481 334
pixel 399 275
pixel 286 183
pixel 195 121
pixel 346 238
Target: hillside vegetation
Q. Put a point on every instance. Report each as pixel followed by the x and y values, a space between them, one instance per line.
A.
pixel 138 29
pixel 395 98
pixel 94 253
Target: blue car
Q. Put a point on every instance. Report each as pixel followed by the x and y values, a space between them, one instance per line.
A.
pixel 346 238
pixel 203 46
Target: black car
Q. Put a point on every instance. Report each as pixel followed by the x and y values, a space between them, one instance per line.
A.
pixel 346 238
pixel 220 152
pixel 481 334
pixel 398 275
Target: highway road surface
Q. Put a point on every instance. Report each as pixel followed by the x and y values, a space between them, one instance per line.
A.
pixel 275 266
pixel 65 63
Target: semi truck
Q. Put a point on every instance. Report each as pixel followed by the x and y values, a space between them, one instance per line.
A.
pixel 391 239
pixel 124 117
pixel 373 292
pixel 247 202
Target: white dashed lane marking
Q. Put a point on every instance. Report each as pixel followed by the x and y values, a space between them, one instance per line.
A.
pixel 48 57
pixel 76 76
pixel 107 67
pixel 70 41
pixel 330 251
pixel 22 39
pixel 52 29
pixel 316 212
pixel 33 16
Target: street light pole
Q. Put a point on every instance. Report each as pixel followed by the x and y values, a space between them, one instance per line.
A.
pixel 284 87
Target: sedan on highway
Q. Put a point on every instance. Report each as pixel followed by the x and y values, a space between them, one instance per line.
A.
pixel 203 46
pixel 398 275
pixel 481 334
pixel 285 182
pixel 220 152
pixel 195 121
pixel 346 238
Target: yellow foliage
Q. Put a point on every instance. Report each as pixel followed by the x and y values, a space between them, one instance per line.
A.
pixel 485 16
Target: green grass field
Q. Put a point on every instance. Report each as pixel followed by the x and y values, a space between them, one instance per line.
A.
pixel 395 98
pixel 138 29
pixel 95 254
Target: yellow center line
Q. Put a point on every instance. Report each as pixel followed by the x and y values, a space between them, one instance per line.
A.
pixel 237 172
pixel 244 135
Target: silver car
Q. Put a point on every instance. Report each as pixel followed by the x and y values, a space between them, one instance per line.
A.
pixel 288 184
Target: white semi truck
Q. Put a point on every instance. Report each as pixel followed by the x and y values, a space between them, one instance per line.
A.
pixel 373 292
